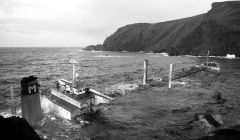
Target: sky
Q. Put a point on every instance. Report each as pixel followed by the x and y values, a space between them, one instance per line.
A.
pixel 78 23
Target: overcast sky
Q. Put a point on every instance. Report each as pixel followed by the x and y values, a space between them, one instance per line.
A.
pixel 44 23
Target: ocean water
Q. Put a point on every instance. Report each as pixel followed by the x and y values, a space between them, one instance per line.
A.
pixel 95 69
pixel 134 116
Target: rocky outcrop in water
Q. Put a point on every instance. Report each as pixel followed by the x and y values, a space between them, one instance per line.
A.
pixel 98 47
pixel 218 31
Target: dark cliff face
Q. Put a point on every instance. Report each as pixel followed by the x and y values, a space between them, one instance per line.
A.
pixel 217 31
pixel 151 37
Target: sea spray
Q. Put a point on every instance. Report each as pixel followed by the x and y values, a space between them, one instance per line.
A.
pixel 121 89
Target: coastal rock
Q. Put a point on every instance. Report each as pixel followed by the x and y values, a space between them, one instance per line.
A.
pixel 97 47
pixel 218 31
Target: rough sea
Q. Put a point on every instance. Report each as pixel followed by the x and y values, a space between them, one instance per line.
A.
pixel 131 116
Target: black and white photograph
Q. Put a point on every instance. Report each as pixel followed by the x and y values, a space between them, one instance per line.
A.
pixel 119 70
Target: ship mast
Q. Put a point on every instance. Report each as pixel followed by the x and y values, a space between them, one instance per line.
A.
pixel 73 62
pixel 73 76
pixel 207 58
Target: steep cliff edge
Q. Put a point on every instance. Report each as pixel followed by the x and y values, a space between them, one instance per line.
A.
pixel 218 31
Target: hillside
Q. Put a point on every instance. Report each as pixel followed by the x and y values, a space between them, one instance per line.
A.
pixel 218 31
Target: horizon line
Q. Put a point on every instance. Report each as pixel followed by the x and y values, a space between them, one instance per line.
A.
pixel 42 47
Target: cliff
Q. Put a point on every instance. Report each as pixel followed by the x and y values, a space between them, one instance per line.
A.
pixel 218 31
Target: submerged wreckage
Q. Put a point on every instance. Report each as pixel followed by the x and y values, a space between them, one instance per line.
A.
pixel 68 101
pixel 72 103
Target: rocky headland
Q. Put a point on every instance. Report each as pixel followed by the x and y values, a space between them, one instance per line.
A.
pixel 217 31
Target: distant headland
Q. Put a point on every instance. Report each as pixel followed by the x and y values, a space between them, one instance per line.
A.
pixel 217 31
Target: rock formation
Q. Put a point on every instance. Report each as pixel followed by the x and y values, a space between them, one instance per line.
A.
pixel 218 31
